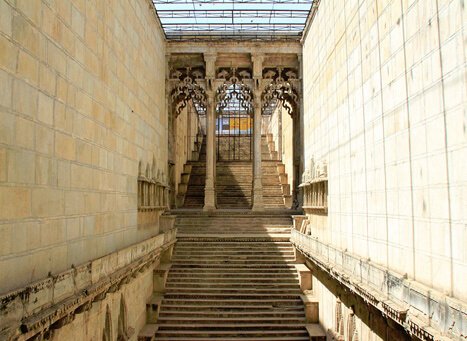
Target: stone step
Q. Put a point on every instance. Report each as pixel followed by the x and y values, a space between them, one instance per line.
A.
pixel 232 254
pixel 275 324
pixel 234 271
pixel 233 336
pixel 237 320
pixel 194 312
pixel 204 303
pixel 227 308
pixel 246 285
pixel 227 294
pixel 231 280
pixel 233 245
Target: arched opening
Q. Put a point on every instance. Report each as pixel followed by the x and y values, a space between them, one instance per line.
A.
pixel 234 144
pixel 234 125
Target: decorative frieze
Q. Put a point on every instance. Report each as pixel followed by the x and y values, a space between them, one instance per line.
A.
pixel 153 191
pixel 408 303
pixel 315 187
pixel 34 312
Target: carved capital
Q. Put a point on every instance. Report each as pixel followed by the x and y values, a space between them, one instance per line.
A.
pixel 210 60
pixel 257 59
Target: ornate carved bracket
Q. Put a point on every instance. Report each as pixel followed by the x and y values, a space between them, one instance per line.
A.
pixel 281 85
pixel 234 87
pixel 187 87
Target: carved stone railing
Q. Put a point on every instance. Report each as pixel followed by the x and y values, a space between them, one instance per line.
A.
pixel 315 196
pixel 41 307
pixel 423 312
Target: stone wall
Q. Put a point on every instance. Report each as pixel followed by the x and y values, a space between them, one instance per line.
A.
pixel 82 101
pixel 187 129
pixel 385 98
pixel 286 138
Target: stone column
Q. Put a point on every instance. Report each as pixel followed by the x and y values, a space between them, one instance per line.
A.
pixel 209 191
pixel 279 131
pixel 210 187
pixel 258 205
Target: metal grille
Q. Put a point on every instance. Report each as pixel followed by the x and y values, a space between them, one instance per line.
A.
pixel 234 130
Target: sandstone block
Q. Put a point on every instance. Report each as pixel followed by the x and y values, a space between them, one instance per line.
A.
pixel 21 166
pixel 47 202
pixel 31 9
pixel 5 94
pixel 5 18
pixel 25 34
pixel 7 127
pixel 3 165
pixel 53 232
pixel 46 109
pixel 64 146
pixel 8 54
pixel 46 171
pixel 15 202
pixel 63 174
pixel 44 140
pixel 24 132
pixel 24 98
pixel 28 67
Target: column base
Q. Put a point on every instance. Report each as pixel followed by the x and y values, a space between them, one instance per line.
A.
pixel 258 208
pixel 209 199
pixel 258 204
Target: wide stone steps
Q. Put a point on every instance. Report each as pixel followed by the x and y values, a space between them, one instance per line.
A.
pixel 208 303
pixel 197 285
pixel 235 319
pixel 232 271
pixel 232 253
pixel 232 277
pixel 269 335
pixel 194 312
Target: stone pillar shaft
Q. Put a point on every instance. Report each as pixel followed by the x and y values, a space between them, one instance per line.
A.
pixel 209 191
pixel 258 204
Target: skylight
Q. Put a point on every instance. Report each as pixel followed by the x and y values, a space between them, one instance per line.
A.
pixel 233 19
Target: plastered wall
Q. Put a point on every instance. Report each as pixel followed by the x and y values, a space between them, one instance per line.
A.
pixel 81 103
pixel 385 104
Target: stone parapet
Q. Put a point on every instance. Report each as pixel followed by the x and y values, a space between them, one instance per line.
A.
pixel 424 313
pixel 53 302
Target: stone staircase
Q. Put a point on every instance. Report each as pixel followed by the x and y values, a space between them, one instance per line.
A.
pixel 234 180
pixel 233 277
pixel 193 179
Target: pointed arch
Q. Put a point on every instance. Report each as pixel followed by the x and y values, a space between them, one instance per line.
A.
pixel 122 332
pixel 107 331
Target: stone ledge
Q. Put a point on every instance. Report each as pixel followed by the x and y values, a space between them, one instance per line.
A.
pixel 423 312
pixel 53 302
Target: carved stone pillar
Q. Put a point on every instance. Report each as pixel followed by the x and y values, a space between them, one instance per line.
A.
pixel 279 132
pixel 209 191
pixel 258 204
pixel 210 187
